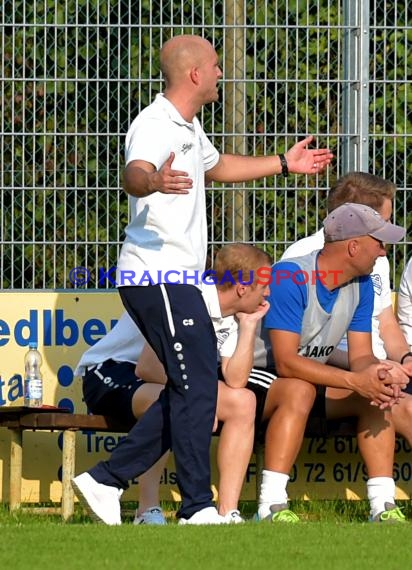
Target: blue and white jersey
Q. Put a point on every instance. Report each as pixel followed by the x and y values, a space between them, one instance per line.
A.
pixel 301 303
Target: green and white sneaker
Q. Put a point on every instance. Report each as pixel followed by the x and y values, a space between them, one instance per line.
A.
pixel 391 514
pixel 279 513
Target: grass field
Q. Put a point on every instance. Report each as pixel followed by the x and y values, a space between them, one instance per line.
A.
pixel 331 536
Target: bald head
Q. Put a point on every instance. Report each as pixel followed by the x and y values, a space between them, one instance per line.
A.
pixel 179 54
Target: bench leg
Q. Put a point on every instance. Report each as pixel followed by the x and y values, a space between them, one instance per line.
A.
pixel 68 467
pixel 260 464
pixel 16 461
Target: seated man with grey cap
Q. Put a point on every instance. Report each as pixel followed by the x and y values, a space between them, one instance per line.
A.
pixel 315 299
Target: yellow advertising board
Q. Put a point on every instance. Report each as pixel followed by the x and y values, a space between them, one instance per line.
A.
pixel 65 324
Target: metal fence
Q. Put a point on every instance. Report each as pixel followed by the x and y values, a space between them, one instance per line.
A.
pixel 74 73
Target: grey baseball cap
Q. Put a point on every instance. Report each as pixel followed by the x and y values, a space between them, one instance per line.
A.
pixel 355 220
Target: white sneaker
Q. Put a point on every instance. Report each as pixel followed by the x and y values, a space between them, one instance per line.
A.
pixel 102 502
pixel 208 515
pixel 233 517
pixel 153 515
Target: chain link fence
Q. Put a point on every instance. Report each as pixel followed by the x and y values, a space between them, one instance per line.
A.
pixel 74 74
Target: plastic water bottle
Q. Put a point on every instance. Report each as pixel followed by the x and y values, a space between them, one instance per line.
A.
pixel 33 382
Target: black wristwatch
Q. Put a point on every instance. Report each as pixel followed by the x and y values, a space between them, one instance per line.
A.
pixel 284 164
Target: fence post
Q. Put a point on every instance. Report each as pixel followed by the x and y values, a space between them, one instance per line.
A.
pixel 355 112
pixel 237 216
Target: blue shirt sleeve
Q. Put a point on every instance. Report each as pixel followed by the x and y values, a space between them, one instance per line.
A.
pixel 362 318
pixel 288 298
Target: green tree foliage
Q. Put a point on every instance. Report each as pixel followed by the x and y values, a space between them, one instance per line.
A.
pixel 77 72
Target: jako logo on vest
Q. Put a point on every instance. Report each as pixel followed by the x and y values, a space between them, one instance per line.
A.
pixel 317 351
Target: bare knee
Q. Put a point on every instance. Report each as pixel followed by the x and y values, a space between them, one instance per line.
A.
pixel 236 403
pixel 404 407
pixel 305 394
pixel 290 395
pixel 144 397
pixel 402 418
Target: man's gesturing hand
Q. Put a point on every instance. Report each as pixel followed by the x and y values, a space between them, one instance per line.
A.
pixel 169 181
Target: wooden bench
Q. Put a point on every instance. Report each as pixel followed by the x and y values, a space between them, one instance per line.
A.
pixel 19 419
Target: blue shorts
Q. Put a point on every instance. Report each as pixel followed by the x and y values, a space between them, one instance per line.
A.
pixel 108 389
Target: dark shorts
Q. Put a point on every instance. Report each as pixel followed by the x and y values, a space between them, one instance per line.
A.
pixel 108 389
pixel 408 388
pixel 260 380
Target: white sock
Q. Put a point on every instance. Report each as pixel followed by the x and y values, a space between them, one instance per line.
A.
pixel 381 490
pixel 272 491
